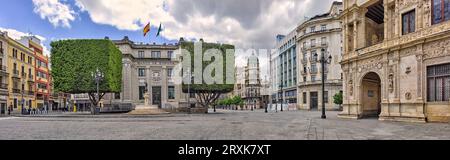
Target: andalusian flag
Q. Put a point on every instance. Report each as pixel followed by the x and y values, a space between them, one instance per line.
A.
pixel 159 30
pixel 147 29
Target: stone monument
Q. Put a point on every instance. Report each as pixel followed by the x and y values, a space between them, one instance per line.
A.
pixel 146 108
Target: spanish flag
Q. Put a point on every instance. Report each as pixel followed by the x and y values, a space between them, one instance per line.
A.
pixel 147 29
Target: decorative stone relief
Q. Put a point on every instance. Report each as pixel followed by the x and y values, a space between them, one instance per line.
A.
pixel 391 81
pixel 437 49
pixel 408 70
pixel 370 63
pixel 350 91
pixel 408 96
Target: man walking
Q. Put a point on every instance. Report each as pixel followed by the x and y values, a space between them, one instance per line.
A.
pixel 9 109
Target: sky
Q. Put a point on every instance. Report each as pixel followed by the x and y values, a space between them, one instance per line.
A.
pixel 243 23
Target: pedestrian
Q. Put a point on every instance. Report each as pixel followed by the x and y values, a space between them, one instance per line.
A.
pixel 10 108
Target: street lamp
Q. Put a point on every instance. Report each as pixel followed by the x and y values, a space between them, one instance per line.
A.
pixel 323 61
pixel 282 95
pixel 98 77
pixel 189 73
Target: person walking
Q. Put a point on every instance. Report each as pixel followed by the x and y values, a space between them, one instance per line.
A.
pixel 10 109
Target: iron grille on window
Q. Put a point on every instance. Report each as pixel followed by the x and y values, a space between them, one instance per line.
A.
pixel 438 83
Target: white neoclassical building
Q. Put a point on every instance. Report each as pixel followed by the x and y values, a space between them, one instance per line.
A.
pixel 319 34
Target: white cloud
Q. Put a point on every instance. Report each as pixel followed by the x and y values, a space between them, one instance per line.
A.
pixel 246 24
pixel 56 12
pixel 16 35
pixel 231 21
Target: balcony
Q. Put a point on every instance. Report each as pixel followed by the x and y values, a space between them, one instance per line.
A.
pixel 31 93
pixel 304 61
pixel 3 71
pixel 30 79
pixel 313 71
pixel 313 59
pixel 3 86
pixel 24 75
pixel 303 72
pixel 15 90
pixel 16 74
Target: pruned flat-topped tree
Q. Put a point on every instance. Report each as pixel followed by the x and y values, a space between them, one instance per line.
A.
pixel 75 61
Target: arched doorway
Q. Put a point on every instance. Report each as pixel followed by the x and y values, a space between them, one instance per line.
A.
pixel 371 95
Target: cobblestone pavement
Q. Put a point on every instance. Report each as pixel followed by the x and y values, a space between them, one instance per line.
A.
pixel 234 125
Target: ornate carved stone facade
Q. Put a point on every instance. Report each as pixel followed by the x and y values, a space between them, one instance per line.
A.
pixel 388 79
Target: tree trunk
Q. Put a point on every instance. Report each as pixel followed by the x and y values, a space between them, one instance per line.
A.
pixel 95 101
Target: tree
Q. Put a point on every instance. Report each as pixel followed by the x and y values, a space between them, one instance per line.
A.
pixel 338 99
pixel 74 61
pixel 207 94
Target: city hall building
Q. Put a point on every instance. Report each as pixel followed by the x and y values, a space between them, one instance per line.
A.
pixel 396 60
pixel 148 66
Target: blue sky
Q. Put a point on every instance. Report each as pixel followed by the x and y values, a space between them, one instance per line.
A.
pixel 26 20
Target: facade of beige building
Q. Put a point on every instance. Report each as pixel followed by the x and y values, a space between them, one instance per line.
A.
pixel 321 34
pixel 396 60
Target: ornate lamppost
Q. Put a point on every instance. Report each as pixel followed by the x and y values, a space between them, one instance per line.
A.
pixel 323 61
pixel 98 77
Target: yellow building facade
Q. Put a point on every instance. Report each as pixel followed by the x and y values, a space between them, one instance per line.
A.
pixel 21 81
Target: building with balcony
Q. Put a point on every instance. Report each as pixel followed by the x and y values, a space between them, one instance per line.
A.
pixel 151 67
pixel 21 86
pixel 41 77
pixel 283 65
pixel 4 74
pixel 321 34
pixel 396 60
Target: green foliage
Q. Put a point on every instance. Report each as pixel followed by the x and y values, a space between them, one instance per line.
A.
pixel 205 88
pixel 338 98
pixel 236 100
pixel 74 61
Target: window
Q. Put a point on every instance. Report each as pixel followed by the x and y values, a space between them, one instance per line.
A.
pixel 156 54
pixel 170 54
pixel 441 11
pixel 325 98
pixel 313 29
pixel 313 68
pixel 42 86
pixel 141 54
pixel 304 79
pixel 171 92
pixel 324 40
pixel 169 72
pixel 313 42
pixel 141 72
pixel 30 74
pixel 438 83
pixel 141 92
pixel 41 75
pixel 304 98
pixel 313 78
pixel 15 53
pixel 323 27
pixel 409 22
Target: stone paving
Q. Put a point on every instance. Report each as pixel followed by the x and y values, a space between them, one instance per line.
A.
pixel 225 125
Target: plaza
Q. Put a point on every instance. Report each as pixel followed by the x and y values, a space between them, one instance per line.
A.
pixel 223 125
